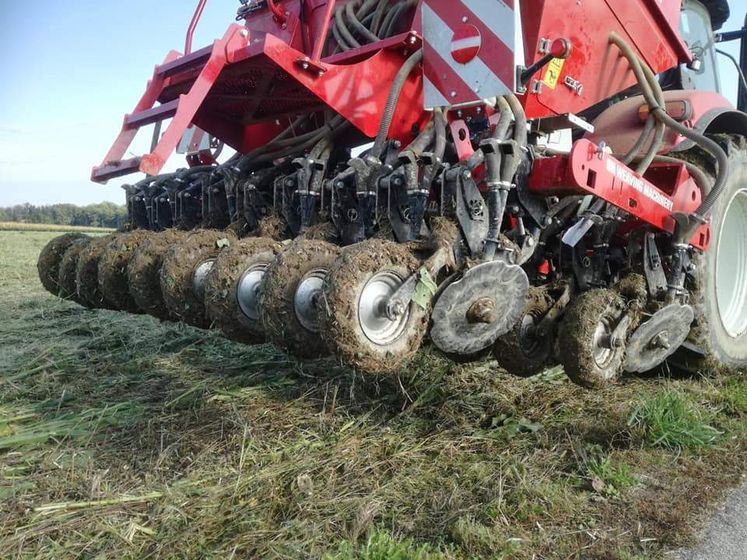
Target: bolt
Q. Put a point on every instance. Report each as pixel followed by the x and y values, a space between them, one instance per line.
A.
pixel 467 175
pixel 395 309
pixel 412 39
pixel 244 33
pixel 453 94
pixel 305 65
pixel 465 19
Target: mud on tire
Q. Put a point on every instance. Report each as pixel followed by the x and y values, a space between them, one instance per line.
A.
pixel 113 264
pixel 278 292
pixel 177 273
pixel 221 287
pixel 144 270
pixel 87 273
pixel 584 361
pixel 340 323
pixel 50 257
pixel 68 269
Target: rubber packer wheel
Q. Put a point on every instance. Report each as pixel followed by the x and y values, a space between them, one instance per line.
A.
pixel 522 352
pixel 50 258
pixel 113 264
pixel 584 350
pixel 718 287
pixel 144 272
pixel 287 295
pixel 242 263
pixel 68 268
pixel 180 263
pixel 87 273
pixel 381 266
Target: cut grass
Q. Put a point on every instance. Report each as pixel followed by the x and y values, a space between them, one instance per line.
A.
pixel 140 439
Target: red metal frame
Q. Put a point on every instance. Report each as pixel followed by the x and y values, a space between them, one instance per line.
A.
pixel 591 170
pixel 193 26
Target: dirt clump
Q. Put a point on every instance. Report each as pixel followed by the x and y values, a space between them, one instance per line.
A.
pixel 112 278
pixel 68 268
pixel 87 274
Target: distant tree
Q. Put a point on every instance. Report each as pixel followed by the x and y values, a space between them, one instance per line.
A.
pixel 104 214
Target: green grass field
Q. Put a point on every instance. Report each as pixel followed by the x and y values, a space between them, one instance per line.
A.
pixel 124 438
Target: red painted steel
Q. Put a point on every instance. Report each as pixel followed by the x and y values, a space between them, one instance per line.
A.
pixel 193 26
pixel 590 170
pixel 647 25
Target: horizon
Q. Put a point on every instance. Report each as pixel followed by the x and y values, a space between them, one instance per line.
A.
pixel 63 106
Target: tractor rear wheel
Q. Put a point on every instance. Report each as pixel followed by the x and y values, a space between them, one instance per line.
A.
pixel 231 288
pixel 50 258
pixel 353 320
pixel 290 295
pixel 718 287
pixel 185 268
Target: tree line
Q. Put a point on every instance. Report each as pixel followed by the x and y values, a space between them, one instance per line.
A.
pixel 104 214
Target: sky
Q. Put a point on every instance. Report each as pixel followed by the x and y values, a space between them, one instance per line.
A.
pixel 69 71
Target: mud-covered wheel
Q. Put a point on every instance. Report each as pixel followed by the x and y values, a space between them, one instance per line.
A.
pixel 144 272
pixel 113 281
pixel 50 258
pixel 718 286
pixel 353 320
pixel 589 354
pixel 68 268
pixel 185 268
pixel 290 295
pixel 525 351
pixel 87 274
pixel 231 288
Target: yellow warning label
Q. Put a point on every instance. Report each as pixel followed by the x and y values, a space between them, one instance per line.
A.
pixel 552 75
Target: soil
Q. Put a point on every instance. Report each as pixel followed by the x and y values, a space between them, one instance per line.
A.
pixel 340 327
pixel 113 281
pixel 278 290
pixel 322 232
pixel 68 267
pixel 178 268
pixel 87 273
pixel 144 269
pixel 50 258
pixel 221 302
pixel 273 227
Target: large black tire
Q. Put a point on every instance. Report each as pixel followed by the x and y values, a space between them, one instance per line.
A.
pixel 87 274
pixel 50 258
pixel 178 270
pixel 719 335
pixel 68 270
pixel 341 326
pixel 144 273
pixel 222 286
pixel 584 361
pixel 112 278
pixel 277 294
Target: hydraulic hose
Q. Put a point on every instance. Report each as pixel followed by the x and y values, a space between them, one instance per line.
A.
pixel 391 104
pixel 362 30
pixel 520 120
pixel 504 118
pixel 660 113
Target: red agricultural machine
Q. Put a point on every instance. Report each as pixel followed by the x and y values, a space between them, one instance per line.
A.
pixel 554 181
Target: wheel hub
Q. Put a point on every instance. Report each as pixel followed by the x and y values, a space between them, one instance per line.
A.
pixel 306 299
pixel 200 275
pixel 376 324
pixel 473 312
pixel 247 291
pixel 731 267
pixel 658 338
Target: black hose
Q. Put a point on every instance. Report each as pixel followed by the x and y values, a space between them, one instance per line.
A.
pixel 391 104
pixel 645 135
pixel 504 119
pixel 520 120
pixel 361 29
pixel 704 142
pixel 343 29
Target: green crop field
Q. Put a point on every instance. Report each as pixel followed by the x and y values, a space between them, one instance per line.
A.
pixel 18 226
pixel 121 437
